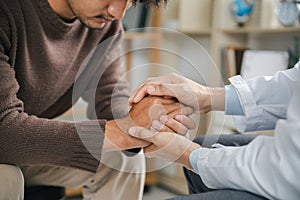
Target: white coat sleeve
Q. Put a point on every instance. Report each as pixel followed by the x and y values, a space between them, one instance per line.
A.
pixel 269 165
pixel 264 100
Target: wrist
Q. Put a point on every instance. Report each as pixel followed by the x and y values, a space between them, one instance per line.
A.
pixel 212 99
pixel 185 157
pixel 217 99
pixel 114 129
pixel 116 135
pixel 203 99
pixel 110 130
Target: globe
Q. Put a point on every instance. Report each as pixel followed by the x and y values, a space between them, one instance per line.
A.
pixel 241 10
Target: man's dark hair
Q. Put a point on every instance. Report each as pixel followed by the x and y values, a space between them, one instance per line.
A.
pixel 155 3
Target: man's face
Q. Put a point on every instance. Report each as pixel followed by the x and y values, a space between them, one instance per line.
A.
pixel 96 13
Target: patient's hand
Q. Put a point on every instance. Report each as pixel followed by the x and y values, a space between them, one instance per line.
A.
pixel 152 108
pixel 141 114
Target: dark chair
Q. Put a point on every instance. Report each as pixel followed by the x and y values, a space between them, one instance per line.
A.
pixel 45 193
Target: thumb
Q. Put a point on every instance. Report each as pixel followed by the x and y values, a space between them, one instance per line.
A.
pixel 141 133
pixel 164 89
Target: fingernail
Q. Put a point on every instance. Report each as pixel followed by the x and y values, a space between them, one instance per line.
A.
pixel 178 117
pixel 132 131
pixel 156 124
pixel 163 119
pixel 151 89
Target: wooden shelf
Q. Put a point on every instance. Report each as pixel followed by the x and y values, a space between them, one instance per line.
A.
pixel 253 30
pixel 196 32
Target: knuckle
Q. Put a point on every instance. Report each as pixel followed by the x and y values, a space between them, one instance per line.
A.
pixel 171 123
pixel 183 130
pixel 165 129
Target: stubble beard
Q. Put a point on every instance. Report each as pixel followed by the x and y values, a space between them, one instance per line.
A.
pixel 83 21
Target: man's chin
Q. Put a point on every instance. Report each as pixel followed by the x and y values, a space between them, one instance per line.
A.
pixel 96 26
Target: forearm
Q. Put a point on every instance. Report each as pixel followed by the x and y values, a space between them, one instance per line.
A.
pixel 211 99
pixel 36 141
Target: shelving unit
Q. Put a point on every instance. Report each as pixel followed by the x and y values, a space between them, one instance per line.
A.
pixel 252 30
pixel 263 23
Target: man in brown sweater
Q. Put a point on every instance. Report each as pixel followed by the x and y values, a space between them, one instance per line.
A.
pixel 44 71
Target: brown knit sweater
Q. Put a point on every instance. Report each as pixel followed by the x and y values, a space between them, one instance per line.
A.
pixel 40 56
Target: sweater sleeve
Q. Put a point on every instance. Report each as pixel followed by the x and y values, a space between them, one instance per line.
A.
pixel 28 140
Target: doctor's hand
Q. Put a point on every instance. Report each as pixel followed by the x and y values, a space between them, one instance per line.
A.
pixel 203 99
pixel 165 145
pixel 180 124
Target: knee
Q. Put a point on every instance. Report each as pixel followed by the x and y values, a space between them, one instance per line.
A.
pixel 199 140
pixel 123 163
pixel 11 182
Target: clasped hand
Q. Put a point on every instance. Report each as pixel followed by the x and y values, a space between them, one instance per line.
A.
pixel 167 145
pixel 151 112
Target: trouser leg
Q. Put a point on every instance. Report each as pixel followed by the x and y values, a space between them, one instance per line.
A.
pixel 195 183
pixel 198 189
pixel 118 177
pixel 221 195
pixel 11 183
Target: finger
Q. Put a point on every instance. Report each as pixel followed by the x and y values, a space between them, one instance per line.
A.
pixel 166 101
pixel 167 97
pixel 186 121
pixel 154 89
pixel 153 129
pixel 158 126
pixel 176 126
pixel 181 111
pixel 139 94
pixel 164 107
pixel 141 133
pixel 165 90
pixel 149 150
pixel 166 79
pixel 138 89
